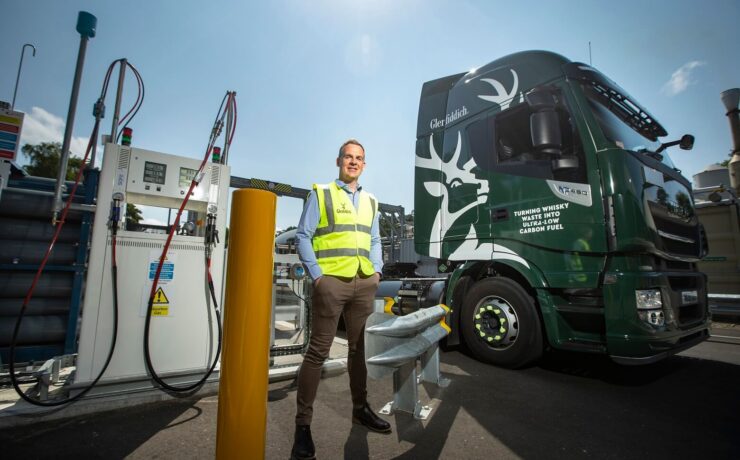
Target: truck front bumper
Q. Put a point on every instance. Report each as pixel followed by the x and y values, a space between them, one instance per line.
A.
pixel 632 340
pixel 684 343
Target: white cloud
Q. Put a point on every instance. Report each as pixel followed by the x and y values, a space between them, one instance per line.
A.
pixel 42 126
pixel 681 78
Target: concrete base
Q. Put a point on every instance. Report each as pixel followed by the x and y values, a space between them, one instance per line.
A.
pixel 113 396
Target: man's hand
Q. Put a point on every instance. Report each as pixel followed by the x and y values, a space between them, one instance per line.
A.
pixel 317 281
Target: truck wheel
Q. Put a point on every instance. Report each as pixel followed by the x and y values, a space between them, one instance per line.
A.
pixel 500 323
pixel 458 298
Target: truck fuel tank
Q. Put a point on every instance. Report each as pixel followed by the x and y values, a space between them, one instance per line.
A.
pixel 412 294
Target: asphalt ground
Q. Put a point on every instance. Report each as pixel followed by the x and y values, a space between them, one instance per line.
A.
pixel 568 406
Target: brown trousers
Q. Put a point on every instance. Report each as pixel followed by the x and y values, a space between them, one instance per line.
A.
pixel 333 296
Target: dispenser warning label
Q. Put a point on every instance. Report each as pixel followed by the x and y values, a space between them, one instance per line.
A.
pixel 161 304
pixel 167 273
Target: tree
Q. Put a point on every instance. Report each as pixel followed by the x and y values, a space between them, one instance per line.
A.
pixel 45 159
pixel 44 162
pixel 683 205
pixel 133 214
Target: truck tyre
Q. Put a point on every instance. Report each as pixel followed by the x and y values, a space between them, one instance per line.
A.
pixel 500 323
pixel 458 297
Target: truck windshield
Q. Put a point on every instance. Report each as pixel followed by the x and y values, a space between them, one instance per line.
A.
pixel 615 129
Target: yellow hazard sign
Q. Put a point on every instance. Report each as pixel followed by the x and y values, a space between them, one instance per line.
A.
pixel 161 304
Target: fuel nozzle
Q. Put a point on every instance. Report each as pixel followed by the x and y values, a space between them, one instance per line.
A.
pixel 99 108
pixel 115 211
pixel 211 231
pixel 217 127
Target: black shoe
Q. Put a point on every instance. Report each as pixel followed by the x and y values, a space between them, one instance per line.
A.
pixel 366 416
pixel 303 448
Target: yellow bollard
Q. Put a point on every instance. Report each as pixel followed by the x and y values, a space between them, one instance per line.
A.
pixel 242 396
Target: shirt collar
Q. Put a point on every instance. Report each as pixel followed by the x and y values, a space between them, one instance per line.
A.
pixel 344 186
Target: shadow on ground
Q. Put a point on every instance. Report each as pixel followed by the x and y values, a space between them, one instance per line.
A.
pixel 575 405
pixel 568 406
pixel 113 434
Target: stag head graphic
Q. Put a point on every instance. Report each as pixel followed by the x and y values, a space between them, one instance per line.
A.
pixel 502 98
pixel 459 189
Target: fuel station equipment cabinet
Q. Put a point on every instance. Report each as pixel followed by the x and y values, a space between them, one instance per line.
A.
pixel 183 330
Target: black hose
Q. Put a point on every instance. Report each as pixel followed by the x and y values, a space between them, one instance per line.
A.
pixel 147 353
pixel 215 132
pixel 16 383
pixel 98 111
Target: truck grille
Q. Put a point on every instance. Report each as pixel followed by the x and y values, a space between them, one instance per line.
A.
pixel 680 238
pixel 666 265
pixel 688 309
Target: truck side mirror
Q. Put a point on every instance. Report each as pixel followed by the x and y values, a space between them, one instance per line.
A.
pixel 544 123
pixel 685 143
pixel 544 126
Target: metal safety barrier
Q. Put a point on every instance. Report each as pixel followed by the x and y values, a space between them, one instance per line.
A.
pixel 394 344
pixel 724 304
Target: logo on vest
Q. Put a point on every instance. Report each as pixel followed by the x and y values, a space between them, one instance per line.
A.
pixel 343 209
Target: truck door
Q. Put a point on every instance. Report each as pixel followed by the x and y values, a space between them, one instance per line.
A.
pixel 538 198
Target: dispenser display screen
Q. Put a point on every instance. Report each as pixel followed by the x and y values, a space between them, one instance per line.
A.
pixel 162 180
pixel 186 176
pixel 155 172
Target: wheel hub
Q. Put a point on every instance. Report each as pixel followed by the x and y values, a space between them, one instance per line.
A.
pixel 496 323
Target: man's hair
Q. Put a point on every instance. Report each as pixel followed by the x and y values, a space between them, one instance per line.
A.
pixel 346 143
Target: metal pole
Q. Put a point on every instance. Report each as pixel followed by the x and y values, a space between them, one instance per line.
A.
pixel 731 101
pixel 62 175
pixel 403 224
pixel 242 394
pixel 86 24
pixel 229 121
pixel 119 93
pixel 20 64
pixel 116 113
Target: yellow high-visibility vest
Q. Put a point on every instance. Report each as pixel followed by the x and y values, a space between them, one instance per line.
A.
pixel 341 241
pixel 576 264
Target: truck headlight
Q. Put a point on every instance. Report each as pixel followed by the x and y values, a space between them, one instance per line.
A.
pixel 648 299
pixel 650 306
pixel 652 317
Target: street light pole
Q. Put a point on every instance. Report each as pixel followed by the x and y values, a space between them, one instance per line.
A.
pixel 20 64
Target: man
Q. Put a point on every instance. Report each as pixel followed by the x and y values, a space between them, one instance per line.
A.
pixel 338 240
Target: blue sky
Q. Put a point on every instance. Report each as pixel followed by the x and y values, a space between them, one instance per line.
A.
pixel 309 74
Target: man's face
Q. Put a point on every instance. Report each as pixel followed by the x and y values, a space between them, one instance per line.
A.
pixel 351 163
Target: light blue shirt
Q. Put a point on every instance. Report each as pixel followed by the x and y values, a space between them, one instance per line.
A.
pixel 310 219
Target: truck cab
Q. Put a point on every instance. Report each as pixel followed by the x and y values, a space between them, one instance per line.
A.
pixel 543 186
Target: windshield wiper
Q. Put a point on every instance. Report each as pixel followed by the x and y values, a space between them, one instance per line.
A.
pixel 650 153
pixel 656 156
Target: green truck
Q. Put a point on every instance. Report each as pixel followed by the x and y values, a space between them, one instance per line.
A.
pixel 557 215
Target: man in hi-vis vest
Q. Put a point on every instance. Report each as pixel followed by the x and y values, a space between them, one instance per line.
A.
pixel 338 240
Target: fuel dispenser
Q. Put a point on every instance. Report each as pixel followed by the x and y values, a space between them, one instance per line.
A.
pixel 182 337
